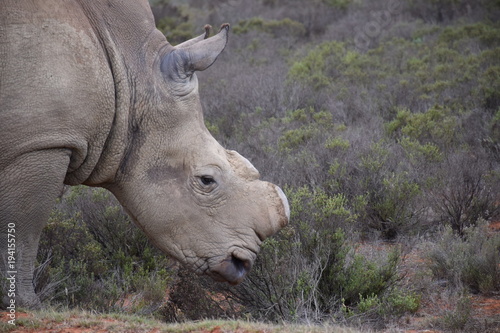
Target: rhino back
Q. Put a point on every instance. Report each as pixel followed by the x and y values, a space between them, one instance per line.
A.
pixel 56 87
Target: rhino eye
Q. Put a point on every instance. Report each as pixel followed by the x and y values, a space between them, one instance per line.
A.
pixel 207 180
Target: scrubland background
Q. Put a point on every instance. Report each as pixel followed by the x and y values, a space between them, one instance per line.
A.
pixel 380 119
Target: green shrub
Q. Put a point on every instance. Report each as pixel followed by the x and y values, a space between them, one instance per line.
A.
pixel 309 271
pixel 471 261
pixel 342 4
pixel 395 304
pixel 391 205
pixel 486 33
pixel 435 126
pixel 494 128
pixel 399 302
pixel 490 86
pixel 459 317
pixel 337 143
pixel 392 196
pixel 362 278
pixel 316 66
pixel 324 210
pixel 419 153
pixel 304 126
pixel 295 138
pixel 428 74
pixel 92 256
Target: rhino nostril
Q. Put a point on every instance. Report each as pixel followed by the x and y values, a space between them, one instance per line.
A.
pixel 242 266
pixel 232 269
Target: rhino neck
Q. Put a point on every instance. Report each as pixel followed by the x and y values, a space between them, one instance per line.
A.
pixel 132 46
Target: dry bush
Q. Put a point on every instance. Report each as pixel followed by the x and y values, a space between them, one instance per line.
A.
pixel 469 261
pixel 464 191
pixel 192 297
pixel 91 255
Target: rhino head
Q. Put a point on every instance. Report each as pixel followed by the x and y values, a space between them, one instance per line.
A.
pixel 200 203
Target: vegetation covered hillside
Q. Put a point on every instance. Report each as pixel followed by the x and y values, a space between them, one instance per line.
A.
pixel 381 119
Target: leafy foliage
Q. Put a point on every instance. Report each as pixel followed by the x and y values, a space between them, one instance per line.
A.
pixel 310 271
pixel 91 255
pixel 471 261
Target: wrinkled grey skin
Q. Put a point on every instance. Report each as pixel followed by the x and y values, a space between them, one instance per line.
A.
pixel 91 93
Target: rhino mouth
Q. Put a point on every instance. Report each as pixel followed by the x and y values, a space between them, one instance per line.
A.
pixel 232 269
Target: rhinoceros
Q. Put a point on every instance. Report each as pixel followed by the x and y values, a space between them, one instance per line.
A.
pixel 92 93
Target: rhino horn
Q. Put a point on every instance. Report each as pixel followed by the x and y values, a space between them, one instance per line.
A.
pixel 182 62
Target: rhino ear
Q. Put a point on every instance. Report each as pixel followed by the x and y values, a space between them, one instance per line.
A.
pixel 196 39
pixel 194 55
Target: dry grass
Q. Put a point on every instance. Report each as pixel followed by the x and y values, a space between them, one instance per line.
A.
pixel 86 322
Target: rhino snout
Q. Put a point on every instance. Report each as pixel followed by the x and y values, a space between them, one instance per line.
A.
pixel 232 270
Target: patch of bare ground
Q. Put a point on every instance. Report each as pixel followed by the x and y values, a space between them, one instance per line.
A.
pixel 495 226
